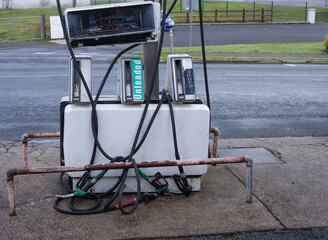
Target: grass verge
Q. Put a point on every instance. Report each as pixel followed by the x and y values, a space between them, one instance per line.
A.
pixel 313 48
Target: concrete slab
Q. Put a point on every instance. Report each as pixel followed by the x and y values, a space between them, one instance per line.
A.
pixel 258 155
pixel 219 208
pixel 295 192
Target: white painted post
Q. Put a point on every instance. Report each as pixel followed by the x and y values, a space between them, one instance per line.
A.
pixel 311 15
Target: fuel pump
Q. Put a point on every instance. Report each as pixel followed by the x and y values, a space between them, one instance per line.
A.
pixel 141 123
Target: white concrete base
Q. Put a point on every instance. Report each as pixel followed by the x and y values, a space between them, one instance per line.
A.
pixel 118 123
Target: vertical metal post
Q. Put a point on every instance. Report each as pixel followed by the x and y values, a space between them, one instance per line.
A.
pixel 227 7
pixel 244 15
pixel 187 17
pixel 11 197
pixel 43 27
pixel 249 183
pixel 203 6
pixel 305 11
pixel 216 15
pixel 171 40
pixel 254 10
pixel 271 11
pixel 262 16
pixel 190 29
pixel 180 5
pixel 12 29
pixel 150 51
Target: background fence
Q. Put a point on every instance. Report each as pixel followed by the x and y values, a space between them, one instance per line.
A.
pixel 22 28
pixel 233 16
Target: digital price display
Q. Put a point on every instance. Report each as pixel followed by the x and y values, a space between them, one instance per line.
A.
pixel 189 82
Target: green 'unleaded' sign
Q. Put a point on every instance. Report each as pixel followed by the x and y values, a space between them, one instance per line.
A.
pixel 137 80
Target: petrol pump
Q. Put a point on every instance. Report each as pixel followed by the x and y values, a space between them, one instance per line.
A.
pixel 161 134
pixel 141 122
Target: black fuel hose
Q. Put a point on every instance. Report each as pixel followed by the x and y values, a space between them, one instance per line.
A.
pixel 120 184
pixel 208 100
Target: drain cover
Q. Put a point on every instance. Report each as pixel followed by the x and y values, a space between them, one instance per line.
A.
pixel 259 155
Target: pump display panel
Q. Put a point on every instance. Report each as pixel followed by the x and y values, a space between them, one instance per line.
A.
pixel 111 24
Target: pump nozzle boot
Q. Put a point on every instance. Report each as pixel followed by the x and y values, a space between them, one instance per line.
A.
pixel 84 184
pixel 159 182
pixel 182 183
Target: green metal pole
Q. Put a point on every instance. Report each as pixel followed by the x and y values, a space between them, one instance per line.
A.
pixel 305 11
pixel 180 5
pixel 254 10
pixel 227 7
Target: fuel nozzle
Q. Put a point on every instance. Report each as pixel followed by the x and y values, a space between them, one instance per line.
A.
pixel 82 186
pixel 159 182
pixel 182 183
pixel 148 196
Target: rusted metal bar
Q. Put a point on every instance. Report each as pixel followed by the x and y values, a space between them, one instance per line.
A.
pixel 215 131
pixel 11 197
pixel 214 161
pixel 34 135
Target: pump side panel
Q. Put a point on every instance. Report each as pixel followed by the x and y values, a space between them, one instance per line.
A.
pixel 118 123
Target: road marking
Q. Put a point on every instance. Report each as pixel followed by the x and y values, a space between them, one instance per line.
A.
pixel 274 74
pixel 43 58
pixel 45 53
pixel 290 65
pixel 33 76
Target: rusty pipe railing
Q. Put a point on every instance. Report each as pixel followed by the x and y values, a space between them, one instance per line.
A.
pixel 34 135
pixel 26 170
pixel 215 132
pixel 186 162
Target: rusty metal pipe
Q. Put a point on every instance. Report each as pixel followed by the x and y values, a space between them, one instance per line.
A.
pixel 11 197
pixel 215 131
pixel 26 136
pixel 185 162
pixel 12 172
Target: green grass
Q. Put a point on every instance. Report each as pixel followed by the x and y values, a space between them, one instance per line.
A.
pixel 218 58
pixel 28 12
pixel 264 48
pixel 269 48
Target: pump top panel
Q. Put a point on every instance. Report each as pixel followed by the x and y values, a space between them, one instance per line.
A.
pixel 113 23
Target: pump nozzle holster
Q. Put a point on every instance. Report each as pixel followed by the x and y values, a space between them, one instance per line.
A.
pixel 182 183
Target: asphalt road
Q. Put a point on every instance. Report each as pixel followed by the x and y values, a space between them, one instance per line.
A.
pixel 248 34
pixel 247 100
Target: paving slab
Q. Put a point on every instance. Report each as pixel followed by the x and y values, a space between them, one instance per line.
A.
pixel 286 196
pixel 295 192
